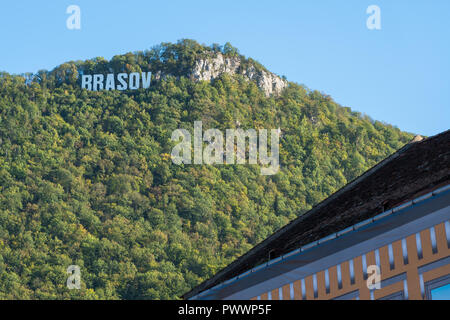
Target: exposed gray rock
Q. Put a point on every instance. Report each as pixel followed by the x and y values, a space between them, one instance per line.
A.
pixel 267 81
pixel 212 67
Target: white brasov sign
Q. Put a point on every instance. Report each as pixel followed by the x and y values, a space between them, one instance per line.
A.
pixel 123 81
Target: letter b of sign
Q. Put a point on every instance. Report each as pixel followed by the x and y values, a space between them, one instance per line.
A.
pixel 74 20
pixel 74 280
pixel 374 280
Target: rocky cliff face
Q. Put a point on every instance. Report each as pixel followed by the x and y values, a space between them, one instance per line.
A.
pixel 213 66
pixel 210 68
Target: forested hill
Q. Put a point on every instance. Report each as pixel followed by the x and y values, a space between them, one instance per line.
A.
pixel 86 177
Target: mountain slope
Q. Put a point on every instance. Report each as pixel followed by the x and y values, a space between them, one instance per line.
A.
pixel 86 177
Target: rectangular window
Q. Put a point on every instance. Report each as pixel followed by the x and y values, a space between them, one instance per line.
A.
pixel 433 239
pixel 291 290
pixel 377 258
pixel 422 286
pixel 303 289
pixel 438 289
pixel 352 272
pixel 364 265
pixel 447 232
pixel 441 293
pixel 405 289
pixel 327 281
pixel 316 294
pixel 419 246
pixel 405 252
pixel 339 276
pixel 395 296
pixel 391 257
pixel 354 295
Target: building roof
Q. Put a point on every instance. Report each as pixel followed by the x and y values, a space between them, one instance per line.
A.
pixel 420 166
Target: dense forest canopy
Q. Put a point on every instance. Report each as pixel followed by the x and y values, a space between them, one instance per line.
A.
pixel 86 177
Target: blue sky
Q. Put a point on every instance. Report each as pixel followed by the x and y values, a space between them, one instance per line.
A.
pixel 399 74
